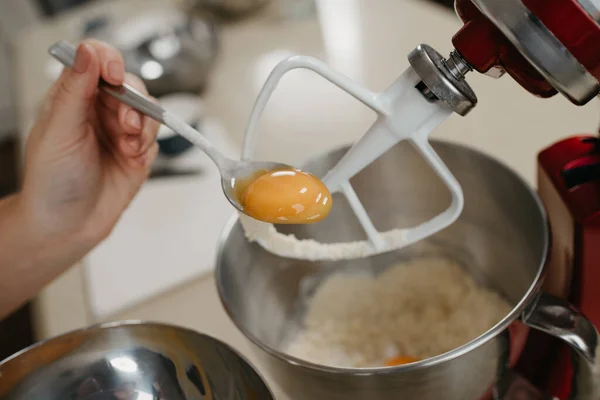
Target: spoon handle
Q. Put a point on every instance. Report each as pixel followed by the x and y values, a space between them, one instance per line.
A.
pixel 65 53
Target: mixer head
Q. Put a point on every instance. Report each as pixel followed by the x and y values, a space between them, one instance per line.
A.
pixel 547 46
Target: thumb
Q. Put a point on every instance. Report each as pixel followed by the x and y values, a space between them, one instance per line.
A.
pixel 74 91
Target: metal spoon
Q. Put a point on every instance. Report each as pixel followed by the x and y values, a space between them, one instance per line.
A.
pixel 232 171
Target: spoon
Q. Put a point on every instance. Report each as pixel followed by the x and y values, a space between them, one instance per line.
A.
pixel 233 173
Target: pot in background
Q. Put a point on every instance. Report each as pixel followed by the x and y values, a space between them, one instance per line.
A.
pixel 501 238
pixel 170 50
pixel 130 360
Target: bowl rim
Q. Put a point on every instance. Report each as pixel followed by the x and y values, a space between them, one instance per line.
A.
pixel 479 341
pixel 134 323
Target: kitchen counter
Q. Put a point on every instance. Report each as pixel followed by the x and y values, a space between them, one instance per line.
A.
pixel 365 39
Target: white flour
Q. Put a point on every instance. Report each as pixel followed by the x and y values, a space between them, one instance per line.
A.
pixel 420 309
pixel 307 249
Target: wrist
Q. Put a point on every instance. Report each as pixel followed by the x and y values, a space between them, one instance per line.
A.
pixel 64 222
pixel 34 242
pixel 12 219
pixel 48 222
pixel 17 233
pixel 28 259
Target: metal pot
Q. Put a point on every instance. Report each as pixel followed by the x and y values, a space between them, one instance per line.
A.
pixel 501 238
pixel 130 360
pixel 169 50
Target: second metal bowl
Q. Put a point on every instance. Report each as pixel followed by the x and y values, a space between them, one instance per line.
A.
pixel 130 360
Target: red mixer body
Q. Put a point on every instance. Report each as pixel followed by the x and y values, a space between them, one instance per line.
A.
pixel 568 177
pixel 569 186
pixel 485 48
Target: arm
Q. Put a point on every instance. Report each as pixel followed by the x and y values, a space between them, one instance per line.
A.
pixel 87 157
pixel 15 246
pixel 28 259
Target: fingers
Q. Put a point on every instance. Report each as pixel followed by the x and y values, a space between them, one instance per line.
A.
pixel 112 66
pixel 131 132
pixel 136 145
pixel 132 80
pixel 148 135
pixel 74 91
pixel 145 160
pixel 121 143
pixel 130 119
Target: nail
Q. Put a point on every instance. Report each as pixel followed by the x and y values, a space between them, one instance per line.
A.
pixel 133 119
pixel 83 59
pixel 115 72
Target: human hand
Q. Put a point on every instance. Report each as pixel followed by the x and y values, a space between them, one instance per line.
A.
pixel 87 155
pixel 86 158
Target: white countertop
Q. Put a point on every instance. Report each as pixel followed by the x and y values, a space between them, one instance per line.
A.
pixel 366 39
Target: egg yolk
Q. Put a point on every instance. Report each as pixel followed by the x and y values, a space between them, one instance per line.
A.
pixel 401 360
pixel 286 196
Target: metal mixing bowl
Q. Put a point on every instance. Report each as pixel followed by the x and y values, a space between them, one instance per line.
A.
pixel 130 361
pixel 171 50
pixel 501 239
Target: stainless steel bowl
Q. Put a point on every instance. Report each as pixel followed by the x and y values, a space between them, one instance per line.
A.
pixel 130 361
pixel 501 238
pixel 171 51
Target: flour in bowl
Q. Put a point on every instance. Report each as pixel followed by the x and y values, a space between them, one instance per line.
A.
pixel 416 309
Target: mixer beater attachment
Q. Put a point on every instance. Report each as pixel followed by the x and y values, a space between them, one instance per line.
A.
pixel 420 100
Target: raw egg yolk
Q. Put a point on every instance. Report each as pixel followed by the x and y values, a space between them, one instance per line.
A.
pixel 286 196
pixel 402 360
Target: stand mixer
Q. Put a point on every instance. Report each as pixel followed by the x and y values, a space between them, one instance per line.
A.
pixel 548 47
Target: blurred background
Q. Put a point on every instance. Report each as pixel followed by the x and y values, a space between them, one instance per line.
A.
pixel 206 61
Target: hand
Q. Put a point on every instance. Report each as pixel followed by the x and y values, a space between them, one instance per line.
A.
pixel 86 158
pixel 87 155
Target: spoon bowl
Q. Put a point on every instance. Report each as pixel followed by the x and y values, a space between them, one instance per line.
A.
pixel 236 176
